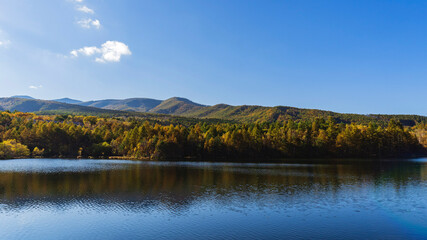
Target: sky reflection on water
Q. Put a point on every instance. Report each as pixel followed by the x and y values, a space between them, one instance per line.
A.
pixel 68 199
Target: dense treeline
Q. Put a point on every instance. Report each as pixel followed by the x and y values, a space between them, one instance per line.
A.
pixel 252 114
pixel 86 136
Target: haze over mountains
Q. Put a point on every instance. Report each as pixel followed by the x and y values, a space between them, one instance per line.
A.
pixel 28 104
pixel 174 106
pixel 186 108
pixel 67 100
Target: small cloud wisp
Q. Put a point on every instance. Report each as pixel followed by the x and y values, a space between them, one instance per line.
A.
pixel 89 23
pixel 35 87
pixel 85 9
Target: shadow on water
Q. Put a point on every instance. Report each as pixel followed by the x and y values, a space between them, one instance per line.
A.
pixel 176 186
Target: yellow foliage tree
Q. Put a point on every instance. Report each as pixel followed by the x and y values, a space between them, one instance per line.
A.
pixel 12 149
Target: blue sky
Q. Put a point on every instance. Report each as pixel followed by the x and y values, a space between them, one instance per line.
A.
pixel 344 56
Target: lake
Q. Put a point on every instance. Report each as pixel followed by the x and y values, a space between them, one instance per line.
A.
pixel 113 199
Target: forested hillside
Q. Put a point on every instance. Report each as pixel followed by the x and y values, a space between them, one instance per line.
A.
pixel 280 114
pixel 27 134
pixel 142 107
pixel 177 106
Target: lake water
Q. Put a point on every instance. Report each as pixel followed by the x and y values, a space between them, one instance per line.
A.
pixel 109 199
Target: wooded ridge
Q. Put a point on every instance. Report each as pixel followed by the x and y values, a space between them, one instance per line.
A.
pixel 145 107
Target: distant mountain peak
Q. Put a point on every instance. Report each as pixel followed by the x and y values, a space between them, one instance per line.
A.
pixel 67 100
pixel 176 106
pixel 181 99
pixel 22 96
pixel 129 104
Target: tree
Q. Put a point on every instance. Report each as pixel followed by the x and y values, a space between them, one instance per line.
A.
pixel 12 149
pixel 37 152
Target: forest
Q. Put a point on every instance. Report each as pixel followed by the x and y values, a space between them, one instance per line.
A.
pixel 70 136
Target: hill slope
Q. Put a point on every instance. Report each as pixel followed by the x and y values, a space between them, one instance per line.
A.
pixel 67 100
pixel 131 104
pixel 36 105
pixel 22 96
pixel 280 113
pixel 177 106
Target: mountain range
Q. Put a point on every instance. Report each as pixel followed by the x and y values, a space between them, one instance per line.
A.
pixel 27 104
pixel 186 108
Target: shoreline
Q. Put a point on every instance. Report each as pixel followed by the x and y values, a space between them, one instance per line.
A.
pixel 237 161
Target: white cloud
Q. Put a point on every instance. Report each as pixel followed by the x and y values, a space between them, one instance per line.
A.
pixel 36 87
pixel 96 23
pixel 85 9
pixel 74 53
pixel 87 51
pixel 79 1
pixel 110 51
pixel 89 23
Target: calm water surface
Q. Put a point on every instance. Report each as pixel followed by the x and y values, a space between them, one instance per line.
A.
pixel 106 199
